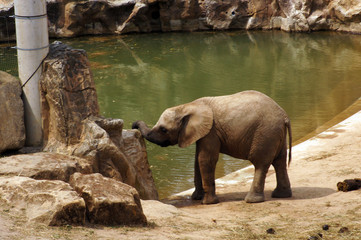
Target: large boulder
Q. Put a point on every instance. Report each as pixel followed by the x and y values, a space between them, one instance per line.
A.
pixel 108 201
pixel 12 128
pixel 43 165
pixel 53 203
pixel 72 125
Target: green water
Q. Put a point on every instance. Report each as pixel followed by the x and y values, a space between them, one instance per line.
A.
pixel 312 76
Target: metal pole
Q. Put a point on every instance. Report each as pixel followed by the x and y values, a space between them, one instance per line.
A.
pixel 32 46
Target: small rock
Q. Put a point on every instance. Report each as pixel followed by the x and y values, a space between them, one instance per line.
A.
pixel 325 227
pixel 271 231
pixel 313 238
pixel 343 230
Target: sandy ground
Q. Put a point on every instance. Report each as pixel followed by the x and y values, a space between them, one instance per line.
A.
pixel 317 165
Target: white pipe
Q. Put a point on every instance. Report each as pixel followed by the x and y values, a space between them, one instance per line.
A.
pixel 32 42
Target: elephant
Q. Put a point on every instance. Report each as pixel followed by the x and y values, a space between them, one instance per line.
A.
pixel 246 125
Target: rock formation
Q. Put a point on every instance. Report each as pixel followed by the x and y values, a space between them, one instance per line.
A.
pixel 12 128
pixel 77 141
pixel 72 124
pixel 73 18
pixel 116 16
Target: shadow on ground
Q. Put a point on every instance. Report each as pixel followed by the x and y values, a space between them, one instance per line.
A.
pixel 299 193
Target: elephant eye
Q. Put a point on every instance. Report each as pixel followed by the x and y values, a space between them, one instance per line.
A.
pixel 163 129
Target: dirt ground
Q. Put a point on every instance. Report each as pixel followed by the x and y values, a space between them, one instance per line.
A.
pixel 317 165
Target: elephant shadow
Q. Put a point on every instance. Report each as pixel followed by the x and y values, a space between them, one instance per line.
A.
pixel 299 193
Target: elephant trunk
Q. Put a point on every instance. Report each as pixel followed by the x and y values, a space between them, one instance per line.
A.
pixel 150 134
pixel 142 127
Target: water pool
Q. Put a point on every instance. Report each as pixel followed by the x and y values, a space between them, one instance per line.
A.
pixel 312 76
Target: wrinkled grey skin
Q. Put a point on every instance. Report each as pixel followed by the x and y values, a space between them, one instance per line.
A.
pixel 246 125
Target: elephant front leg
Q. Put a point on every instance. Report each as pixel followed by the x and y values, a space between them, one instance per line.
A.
pixel 207 157
pixel 198 193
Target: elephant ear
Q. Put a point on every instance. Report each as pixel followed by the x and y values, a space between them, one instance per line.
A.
pixel 197 121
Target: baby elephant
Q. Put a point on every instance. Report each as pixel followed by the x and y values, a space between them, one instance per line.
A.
pixel 246 125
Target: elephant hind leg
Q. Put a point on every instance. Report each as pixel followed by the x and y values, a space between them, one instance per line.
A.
pixel 261 156
pixel 256 193
pixel 283 188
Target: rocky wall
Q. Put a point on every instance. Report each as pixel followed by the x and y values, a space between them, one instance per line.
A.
pixel 70 18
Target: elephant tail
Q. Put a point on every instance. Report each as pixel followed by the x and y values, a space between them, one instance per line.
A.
pixel 288 125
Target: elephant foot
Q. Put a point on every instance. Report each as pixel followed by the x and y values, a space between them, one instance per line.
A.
pixel 282 193
pixel 198 195
pixel 210 199
pixel 254 197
